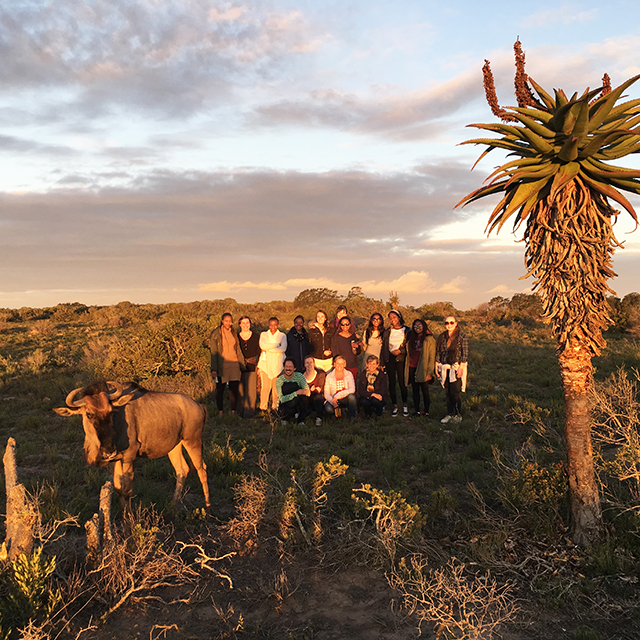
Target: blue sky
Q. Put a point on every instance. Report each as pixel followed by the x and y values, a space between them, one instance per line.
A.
pixel 180 150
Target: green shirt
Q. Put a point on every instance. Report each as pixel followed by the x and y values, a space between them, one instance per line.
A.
pixel 297 377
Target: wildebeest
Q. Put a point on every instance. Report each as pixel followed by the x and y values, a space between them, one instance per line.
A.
pixel 123 424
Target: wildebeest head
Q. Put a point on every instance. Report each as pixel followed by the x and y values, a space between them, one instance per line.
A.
pixel 97 405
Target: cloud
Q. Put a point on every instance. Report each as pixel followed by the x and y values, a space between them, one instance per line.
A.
pixel 168 58
pixel 12 144
pixel 406 116
pixel 223 228
pixel 503 289
pixel 565 14
pixel 412 282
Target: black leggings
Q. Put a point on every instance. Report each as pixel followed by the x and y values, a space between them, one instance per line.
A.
pixel 234 385
pixel 454 400
pixel 416 387
pixel 395 368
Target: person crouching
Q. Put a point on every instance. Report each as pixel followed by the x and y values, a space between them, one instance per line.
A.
pixel 293 392
pixel 340 390
pixel 372 388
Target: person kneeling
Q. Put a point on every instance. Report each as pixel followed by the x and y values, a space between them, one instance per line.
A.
pixel 293 392
pixel 340 390
pixel 372 388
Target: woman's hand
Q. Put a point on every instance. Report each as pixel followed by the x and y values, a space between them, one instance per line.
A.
pixel 377 396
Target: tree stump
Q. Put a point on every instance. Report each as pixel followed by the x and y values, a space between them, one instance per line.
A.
pixel 99 531
pixel 22 516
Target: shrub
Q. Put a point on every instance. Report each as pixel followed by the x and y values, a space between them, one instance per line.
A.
pixel 616 425
pixel 28 594
pixel 470 608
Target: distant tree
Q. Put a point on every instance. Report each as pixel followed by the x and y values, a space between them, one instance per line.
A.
pixel 498 303
pixel 355 292
pixel 437 310
pixel 314 297
pixel 525 305
pixel 630 311
pixel 394 299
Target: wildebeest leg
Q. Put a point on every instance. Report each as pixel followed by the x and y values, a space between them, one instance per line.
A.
pixel 123 482
pixel 182 470
pixel 195 453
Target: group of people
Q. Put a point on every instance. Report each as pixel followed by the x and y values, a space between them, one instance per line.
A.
pixel 317 370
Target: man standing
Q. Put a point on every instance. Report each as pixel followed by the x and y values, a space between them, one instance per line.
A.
pixel 273 344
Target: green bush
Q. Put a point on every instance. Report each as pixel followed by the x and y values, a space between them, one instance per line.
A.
pixel 27 592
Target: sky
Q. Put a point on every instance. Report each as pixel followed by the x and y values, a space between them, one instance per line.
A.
pixel 177 150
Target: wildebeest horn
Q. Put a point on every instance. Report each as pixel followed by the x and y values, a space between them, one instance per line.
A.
pixel 114 395
pixel 78 403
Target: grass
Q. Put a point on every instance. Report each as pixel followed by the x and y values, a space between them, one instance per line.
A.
pixel 513 409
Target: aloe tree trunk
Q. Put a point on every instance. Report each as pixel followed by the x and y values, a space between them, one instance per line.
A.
pixel 586 514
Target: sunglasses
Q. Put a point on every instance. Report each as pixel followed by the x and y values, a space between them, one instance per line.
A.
pixel 449 323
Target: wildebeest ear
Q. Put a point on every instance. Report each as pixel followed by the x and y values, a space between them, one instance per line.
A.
pixel 66 411
pixel 122 400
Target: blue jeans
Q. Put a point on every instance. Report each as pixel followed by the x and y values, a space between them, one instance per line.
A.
pixel 349 402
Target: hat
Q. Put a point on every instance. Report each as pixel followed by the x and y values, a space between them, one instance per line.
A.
pixel 398 314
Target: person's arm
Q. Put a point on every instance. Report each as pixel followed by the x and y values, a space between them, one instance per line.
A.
pixel 282 346
pixel 329 389
pixel 215 353
pixel 281 398
pixel 464 347
pixel 429 357
pixel 264 341
pixel 320 380
pixel 304 386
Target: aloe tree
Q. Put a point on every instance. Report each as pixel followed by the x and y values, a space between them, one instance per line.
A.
pixel 561 185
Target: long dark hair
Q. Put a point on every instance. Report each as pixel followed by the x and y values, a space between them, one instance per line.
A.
pixel 425 330
pixel 371 328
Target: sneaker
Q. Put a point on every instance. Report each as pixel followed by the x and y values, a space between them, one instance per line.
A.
pixel 426 415
pixel 457 419
pixel 445 419
pixel 416 414
pixel 394 413
pixel 405 412
pixel 318 422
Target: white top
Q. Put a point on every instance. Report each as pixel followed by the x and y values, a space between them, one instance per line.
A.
pixel 273 346
pixel 396 338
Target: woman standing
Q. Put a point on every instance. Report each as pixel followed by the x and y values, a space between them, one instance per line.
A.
pixel 226 361
pixel 372 338
pixel 273 344
pixel 345 343
pixel 320 335
pixel 298 343
pixel 452 357
pixel 250 347
pixel 420 364
pixel 394 352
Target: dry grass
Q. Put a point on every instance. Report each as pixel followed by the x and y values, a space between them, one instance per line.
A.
pixel 459 606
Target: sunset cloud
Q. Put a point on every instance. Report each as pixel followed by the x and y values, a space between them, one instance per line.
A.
pixel 412 282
